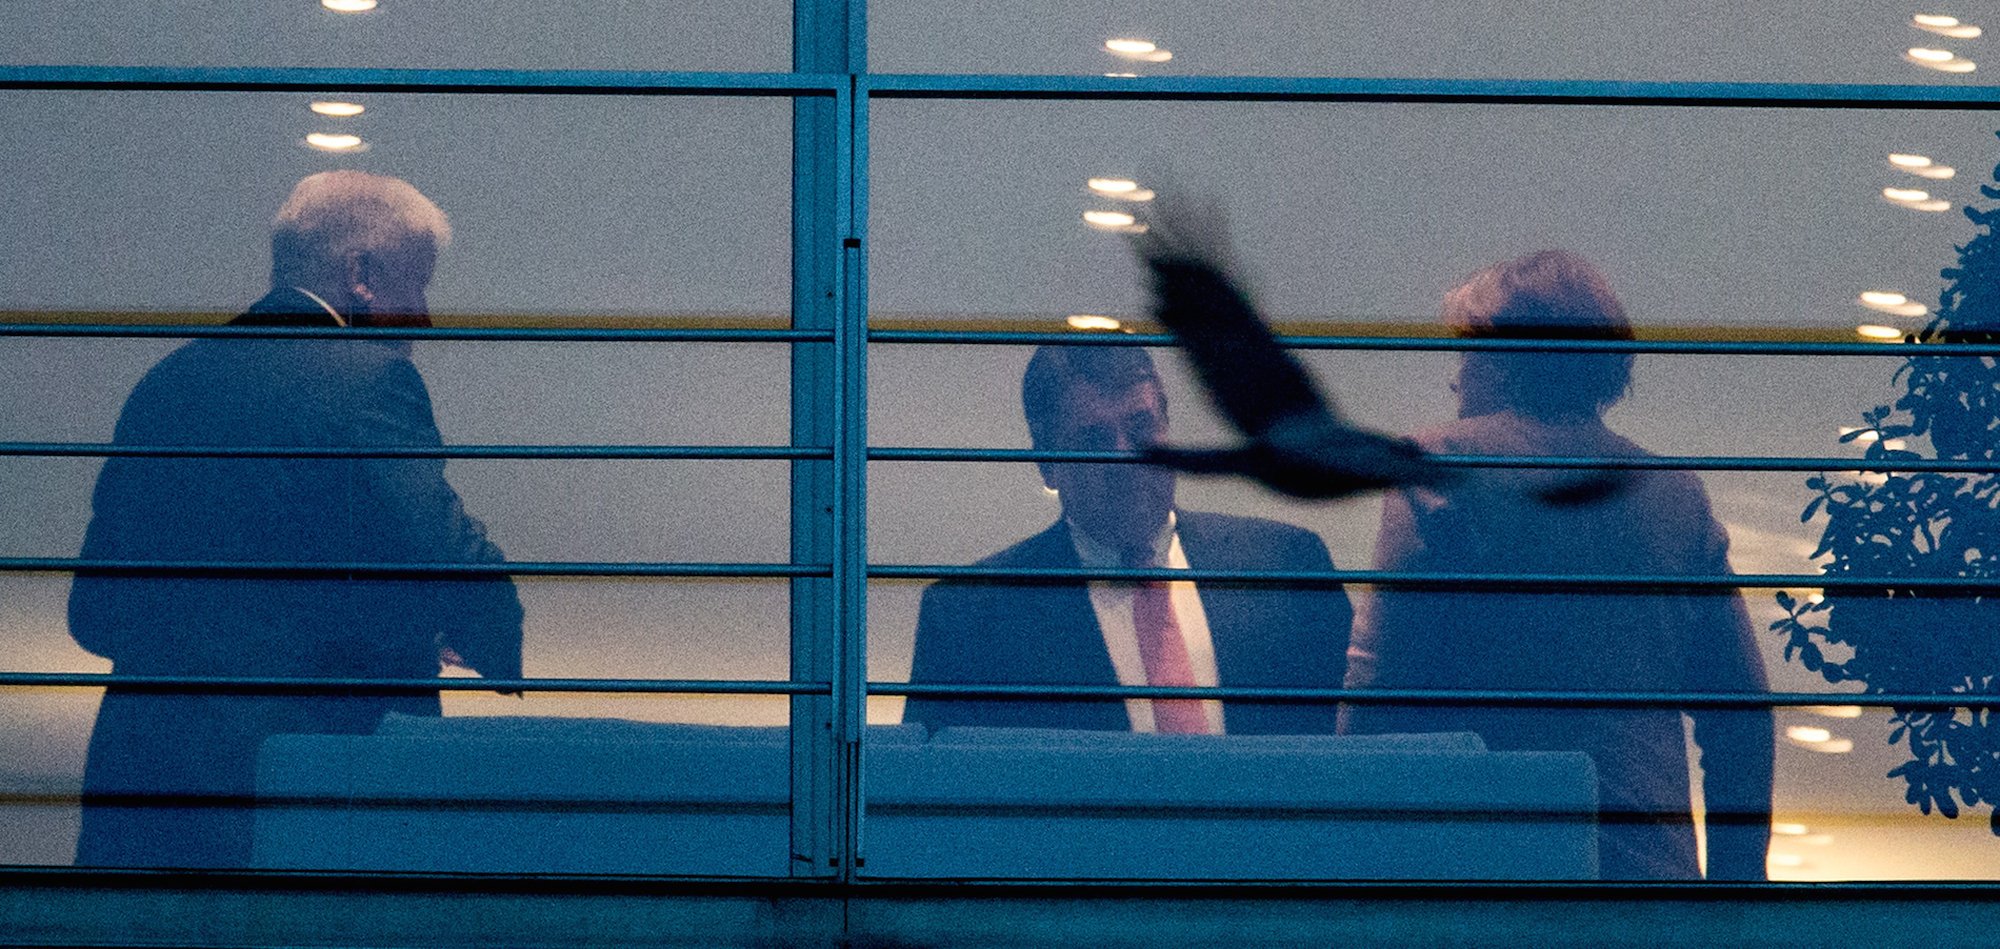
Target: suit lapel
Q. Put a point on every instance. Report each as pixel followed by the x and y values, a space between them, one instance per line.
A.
pixel 1224 608
pixel 1074 643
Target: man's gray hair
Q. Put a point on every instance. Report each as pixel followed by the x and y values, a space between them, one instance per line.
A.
pixel 334 213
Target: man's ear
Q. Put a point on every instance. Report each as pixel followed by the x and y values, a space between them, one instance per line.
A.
pixel 360 277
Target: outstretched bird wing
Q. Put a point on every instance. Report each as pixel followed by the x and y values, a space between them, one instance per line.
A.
pixel 1295 440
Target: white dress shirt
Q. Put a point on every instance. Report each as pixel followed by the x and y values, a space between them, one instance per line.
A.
pixel 1113 604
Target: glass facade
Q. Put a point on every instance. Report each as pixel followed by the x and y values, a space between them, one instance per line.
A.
pixel 727 362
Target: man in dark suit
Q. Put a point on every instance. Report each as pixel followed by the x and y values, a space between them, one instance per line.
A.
pixel 170 774
pixel 1099 633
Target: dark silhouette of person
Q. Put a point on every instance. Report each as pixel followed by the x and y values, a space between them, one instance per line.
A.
pixel 170 774
pixel 1102 633
pixel 1658 523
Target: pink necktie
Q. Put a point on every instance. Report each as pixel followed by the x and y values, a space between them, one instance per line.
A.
pixel 1164 652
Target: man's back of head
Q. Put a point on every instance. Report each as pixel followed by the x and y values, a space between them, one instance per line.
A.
pixel 363 244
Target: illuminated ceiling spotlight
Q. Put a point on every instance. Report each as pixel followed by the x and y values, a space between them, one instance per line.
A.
pixel 1790 830
pixel 1818 739
pixel 1914 199
pixel 1787 860
pixel 1884 333
pixel 1835 711
pixel 1889 301
pixel 1091 321
pixel 1942 60
pixel 339 110
pixel 1121 75
pixel 335 143
pixel 1114 221
pixel 348 6
pixel 1945 26
pixel 1921 165
pixel 1119 189
pixel 1142 50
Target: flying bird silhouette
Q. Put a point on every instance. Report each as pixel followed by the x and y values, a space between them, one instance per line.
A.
pixel 1295 441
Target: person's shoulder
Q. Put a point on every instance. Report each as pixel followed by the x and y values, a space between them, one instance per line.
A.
pixel 1236 536
pixel 1209 522
pixel 1051 546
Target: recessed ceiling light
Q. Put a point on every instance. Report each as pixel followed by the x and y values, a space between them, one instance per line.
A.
pixel 348 6
pixel 333 143
pixel 1914 199
pixel 1808 734
pixel 1156 56
pixel 1091 321
pixel 1889 301
pixel 1121 75
pixel 1920 165
pixel 1129 47
pixel 1109 218
pixel 1871 331
pixel 338 109
pixel 1838 746
pixel 1120 189
pixel 1945 26
pixel 1790 830
pixel 1836 711
pixel 1883 298
pixel 1942 60
pixel 1787 860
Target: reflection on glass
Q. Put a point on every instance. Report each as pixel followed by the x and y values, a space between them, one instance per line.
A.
pixel 338 109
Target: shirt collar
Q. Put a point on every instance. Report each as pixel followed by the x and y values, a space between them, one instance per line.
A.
pixel 1091 553
pixel 328 307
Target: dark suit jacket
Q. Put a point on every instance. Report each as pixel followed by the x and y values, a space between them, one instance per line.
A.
pixel 993 632
pixel 199 750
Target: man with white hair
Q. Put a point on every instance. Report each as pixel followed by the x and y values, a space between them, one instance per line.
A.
pixel 171 774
